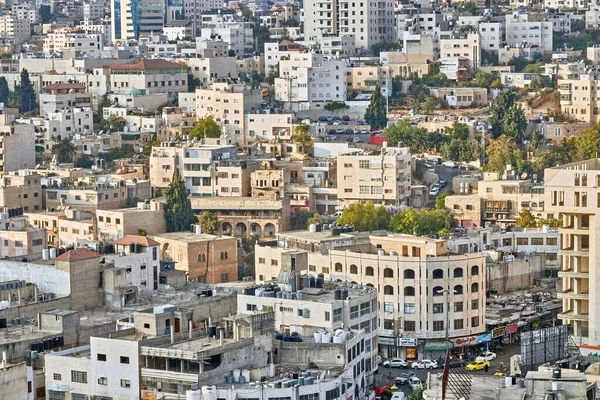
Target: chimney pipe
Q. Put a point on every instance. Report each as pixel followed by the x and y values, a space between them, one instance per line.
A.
pixel 221 337
pixel 172 334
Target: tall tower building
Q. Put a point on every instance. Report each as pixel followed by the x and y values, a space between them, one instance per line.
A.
pixel 370 22
pixel 131 18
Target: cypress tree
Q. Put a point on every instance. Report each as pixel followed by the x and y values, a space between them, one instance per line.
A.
pixel 26 92
pixel 178 208
pixel 376 113
pixel 4 91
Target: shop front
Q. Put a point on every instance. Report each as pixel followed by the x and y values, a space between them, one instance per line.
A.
pixel 436 349
pixel 387 347
pixel 410 348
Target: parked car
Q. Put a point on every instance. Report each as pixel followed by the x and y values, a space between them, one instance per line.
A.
pixel 477 365
pixel 395 363
pixel 345 118
pixel 404 378
pixel 415 383
pixel 331 137
pixel 356 139
pixel 466 167
pixel 434 191
pixel 322 118
pixel 348 132
pixel 424 364
pixel 486 356
pixel 450 164
pixel 337 122
pixel 442 182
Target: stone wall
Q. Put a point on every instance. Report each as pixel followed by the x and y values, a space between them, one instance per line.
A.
pixel 518 274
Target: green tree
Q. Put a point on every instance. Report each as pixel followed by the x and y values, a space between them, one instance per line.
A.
pixel 533 68
pixel 537 139
pixel 429 105
pixel 364 216
pixel 376 114
pixel 458 130
pixel 178 209
pixel 209 222
pixel 502 103
pixel 315 219
pixel 550 221
pixel 302 134
pixel 64 150
pixel 514 123
pixel 142 232
pixel 193 83
pixel 404 134
pixel 500 152
pixel 385 45
pixel 147 149
pixel 4 91
pixel 525 219
pixel 422 222
pixel 336 106
pixel 112 124
pixel 483 79
pixel 206 127
pixel 26 93
pixel 105 102
pixel 299 219
pixel 588 143
pixel 440 200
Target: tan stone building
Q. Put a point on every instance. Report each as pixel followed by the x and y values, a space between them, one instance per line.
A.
pixel 114 224
pixel 384 178
pixel 233 178
pixel 68 228
pixel 461 96
pixel 243 216
pixel 466 209
pixel 207 258
pixel 578 98
pixel 269 180
pixel 21 189
pixel 365 78
pixel 83 266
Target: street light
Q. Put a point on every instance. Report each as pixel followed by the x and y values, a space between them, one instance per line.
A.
pixel 447 291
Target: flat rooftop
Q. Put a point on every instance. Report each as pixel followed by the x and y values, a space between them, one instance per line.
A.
pixel 188 237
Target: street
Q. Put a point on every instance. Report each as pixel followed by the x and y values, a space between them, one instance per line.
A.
pixel 386 376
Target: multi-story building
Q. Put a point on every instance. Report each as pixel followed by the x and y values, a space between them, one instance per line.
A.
pixel 421 286
pixel 365 78
pixel 233 178
pixel 74 43
pixel 206 258
pixel 532 33
pixel 526 51
pixel 370 23
pixel 14 30
pixel 592 17
pixel 461 96
pixel 267 127
pixel 195 9
pixel 148 218
pixel 63 96
pixel 71 120
pixel 27 11
pixel 65 228
pixel 21 189
pixel 383 178
pixel 228 26
pixel 563 69
pixel 463 52
pixel 227 103
pixel 578 99
pixel 94 10
pixel 17 238
pixel 208 69
pixel 571 195
pixel 17 145
pixel 491 34
pixel 129 22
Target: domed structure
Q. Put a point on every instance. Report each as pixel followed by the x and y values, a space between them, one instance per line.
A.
pixel 134 92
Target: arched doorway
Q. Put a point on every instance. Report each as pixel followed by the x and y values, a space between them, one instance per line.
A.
pixel 226 227
pixel 255 229
pixel 270 229
pixel 240 229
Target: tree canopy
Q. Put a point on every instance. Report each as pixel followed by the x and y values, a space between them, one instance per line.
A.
pixel 206 127
pixel 364 216
pixel 301 134
pixel 178 209
pixel 376 113
pixel 209 222
pixel 64 150
pixel 4 91
pixel 336 106
pixel 525 219
pixel 508 117
pixel 422 222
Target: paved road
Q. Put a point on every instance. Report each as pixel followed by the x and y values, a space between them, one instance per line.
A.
pixel 385 376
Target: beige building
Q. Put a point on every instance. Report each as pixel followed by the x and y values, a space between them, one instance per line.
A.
pixel 83 266
pixel 17 238
pixel 206 258
pixel 384 178
pixel 227 103
pixel 68 228
pixel 365 78
pixel 466 209
pixel 269 180
pixel 247 216
pixel 468 47
pixel 461 96
pixel 148 216
pixel 416 279
pixel 21 189
pixel 572 196
pixel 267 127
pixel 578 98
pixel 233 178
pixel 17 144
pixel 63 96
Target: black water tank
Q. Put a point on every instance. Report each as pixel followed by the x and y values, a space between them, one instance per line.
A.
pixel 556 373
pixel 138 248
pixel 312 281
pixel 131 248
pixel 2 322
pixel 337 294
pixel 61 341
pixel 100 248
pixel 344 294
pixel 212 331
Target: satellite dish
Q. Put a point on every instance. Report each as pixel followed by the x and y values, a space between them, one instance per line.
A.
pixel 524 175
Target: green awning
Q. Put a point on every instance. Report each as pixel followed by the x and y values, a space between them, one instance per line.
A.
pixel 437 346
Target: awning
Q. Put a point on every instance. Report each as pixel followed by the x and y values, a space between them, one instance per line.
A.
pixel 433 346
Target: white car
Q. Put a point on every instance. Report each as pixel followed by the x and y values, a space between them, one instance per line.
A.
pixel 486 356
pixel 424 364
pixel 395 363
pixel 379 360
pixel 450 164
pixel 434 191
pixel 356 139
pixel 415 383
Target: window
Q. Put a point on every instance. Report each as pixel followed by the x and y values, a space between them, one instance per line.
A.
pixel 252 307
pixel 458 272
pixel 409 274
pixel 388 273
pixel 337 315
pixel 125 383
pixel 37 242
pixel 458 289
pixel 388 289
pixel 18 243
pixel 363 164
pixel 409 308
pixel 438 326
pixel 551 241
pixel 475 287
pixel 78 376
pixel 387 307
pixel 261 260
pixel 475 304
pixel 57 377
pixel 437 274
pixel 474 322
pixel 537 241
pixel 438 308
pixel 459 324
pixel 475 270
pixel 327 316
pixel 353 269
pixel 438 291
pixel 410 326
pixel 409 290
pixel 101 357
pixel 124 360
pixel 273 262
pixel 103 381
pixel 369 271
pixel 458 306
pixel 338 267
pixel 522 241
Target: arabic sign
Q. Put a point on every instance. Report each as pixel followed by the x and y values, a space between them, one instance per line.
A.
pixel 499 332
pixel 464 341
pixel 484 338
pixel 407 342
pixel 387 341
pixel 512 328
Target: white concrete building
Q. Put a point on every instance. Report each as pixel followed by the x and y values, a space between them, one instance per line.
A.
pixel 592 17
pixel 492 35
pixel 69 122
pixel 17 143
pixel 520 32
pixel 94 10
pixel 230 28
pixel 76 43
pixel 106 367
pixel 14 30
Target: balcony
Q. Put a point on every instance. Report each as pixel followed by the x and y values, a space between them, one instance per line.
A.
pixel 570 273
pixel 574 231
pixel 572 252
pixel 572 316
pixel 570 294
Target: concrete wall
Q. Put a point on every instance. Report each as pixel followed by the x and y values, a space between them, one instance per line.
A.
pixel 513 275
pixel 13 381
pixel 46 277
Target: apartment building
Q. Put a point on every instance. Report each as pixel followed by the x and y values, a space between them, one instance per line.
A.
pixel 365 78
pixel 383 178
pixel 562 69
pixel 17 145
pixel 208 69
pixel 148 217
pixel 207 258
pixel 267 127
pixel 278 51
pixel 72 120
pixel 195 162
pixel 17 238
pixel 491 34
pixel 74 42
pixel 131 22
pixel 94 9
pixel 229 27
pixel 309 81
pixel 227 103
pixel 464 52
pixel 571 195
pixel 64 96
pixel 410 307
pixel 520 31
pixel 370 22
pixel 14 30
pixel 461 96
pixel 333 45
pixel 507 53
pixel 21 189
pixel 579 99
pixel 233 178
pixel 65 228
pixel 592 17
pixel 558 131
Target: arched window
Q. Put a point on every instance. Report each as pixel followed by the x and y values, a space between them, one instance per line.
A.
pixel 370 285
pixel 369 271
pixel 388 289
pixel 353 269
pixel 388 273
pixel 438 291
pixel 201 257
pixel 409 291
pixel 222 255
pixel 475 287
pixel 409 274
pixel 458 272
pixel 475 270
pixel 458 289
pixel 226 255
pixel 338 267
pixel 438 274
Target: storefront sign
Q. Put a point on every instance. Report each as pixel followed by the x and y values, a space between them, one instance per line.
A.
pixel 498 332
pixel 387 333
pixel 484 338
pixel 464 341
pixel 386 341
pixel 437 346
pixel 512 328
pixel 407 342
pixel 412 353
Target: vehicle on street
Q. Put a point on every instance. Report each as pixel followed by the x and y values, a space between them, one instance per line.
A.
pixel 424 364
pixel 404 378
pixel 337 122
pixel 466 167
pixel 415 383
pixel 348 132
pixel 477 365
pixel 450 164
pixel 442 182
pixel 434 191
pixel 356 139
pixel 345 118
pixel 331 137
pixel 379 360
pixel 486 356
pixel 395 363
